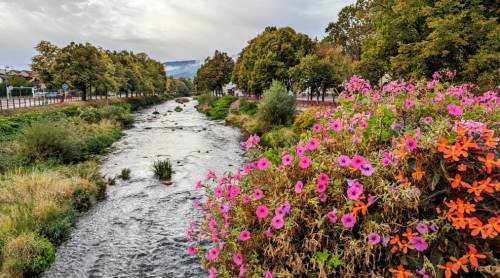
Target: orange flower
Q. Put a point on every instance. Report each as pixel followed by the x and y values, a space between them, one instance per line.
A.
pixel 473 255
pixel 458 264
pixel 460 206
pixel 443 145
pixel 477 228
pixel 455 152
pixel 495 223
pixel 409 233
pixel 400 272
pixel 404 246
pixel 489 162
pixel 459 222
pixel 490 141
pixel 462 167
pixel 448 269
pixel 360 206
pixel 457 181
pixel 419 173
pixel 468 143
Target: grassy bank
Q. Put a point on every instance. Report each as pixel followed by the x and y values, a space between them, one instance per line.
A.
pixel 48 175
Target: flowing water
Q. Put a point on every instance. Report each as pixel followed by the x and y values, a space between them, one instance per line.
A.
pixel 138 230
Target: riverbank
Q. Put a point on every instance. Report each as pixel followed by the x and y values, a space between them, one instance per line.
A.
pixel 49 174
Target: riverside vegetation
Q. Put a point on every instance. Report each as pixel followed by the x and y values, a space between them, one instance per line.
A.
pixel 48 175
pixel 394 181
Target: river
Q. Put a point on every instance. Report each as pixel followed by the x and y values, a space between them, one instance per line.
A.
pixel 138 230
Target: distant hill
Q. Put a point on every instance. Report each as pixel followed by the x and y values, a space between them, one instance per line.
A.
pixel 186 68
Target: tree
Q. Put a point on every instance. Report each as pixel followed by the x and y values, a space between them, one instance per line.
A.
pixel 352 25
pixel 268 57
pixel 83 66
pixel 327 68
pixel 214 73
pixel 19 81
pixel 417 38
pixel 42 62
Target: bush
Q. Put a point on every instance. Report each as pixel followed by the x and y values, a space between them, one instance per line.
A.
pixel 306 119
pixel 125 174
pixel 248 107
pixel 45 139
pixel 282 137
pixel 163 169
pixel 277 107
pixel 178 109
pixel 350 200
pixel 220 108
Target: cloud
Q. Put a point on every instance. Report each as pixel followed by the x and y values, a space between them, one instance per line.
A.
pixel 165 29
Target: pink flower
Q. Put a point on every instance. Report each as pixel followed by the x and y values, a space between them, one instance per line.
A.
pixel 312 144
pixel 244 235
pixel 257 194
pixel 211 272
pixel 237 259
pixel 348 220
pixel 268 233
pixel 191 250
pixel 280 211
pixel 408 103
pixel 248 168
pixel 252 142
pixel 455 110
pixel 357 161
pixel 263 164
pixel 374 238
pixel 419 243
pixel 427 120
pixel 304 162
pixel 300 150
pixel 354 192
pixel 199 185
pixel 411 144
pixel 262 212
pixel 356 140
pixel 213 254
pixel 422 228
pixel 321 187
pixel 388 159
pixel 218 192
pixel 287 159
pixel 332 216
pixel 367 169
pixel 344 160
pixel 336 125
pixel 268 275
pixel 277 222
pixel 243 270
pixel 225 207
pixel 317 127
pixel 323 178
pixel 245 199
pixel 298 187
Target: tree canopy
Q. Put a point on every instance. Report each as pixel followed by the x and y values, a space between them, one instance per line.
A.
pixel 214 73
pixel 268 57
pixel 91 69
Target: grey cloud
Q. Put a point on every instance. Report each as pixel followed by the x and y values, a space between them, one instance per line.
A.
pixel 165 29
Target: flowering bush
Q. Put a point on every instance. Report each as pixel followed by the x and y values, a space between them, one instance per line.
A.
pixel 401 181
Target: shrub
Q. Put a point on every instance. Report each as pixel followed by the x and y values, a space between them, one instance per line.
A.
pixel 248 107
pixel 306 119
pixel 206 99
pixel 178 109
pixel 46 139
pixel 221 107
pixel 277 107
pixel 182 100
pixel 163 169
pixel 350 201
pixel 278 138
pixel 125 174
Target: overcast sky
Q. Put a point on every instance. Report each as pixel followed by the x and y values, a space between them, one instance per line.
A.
pixel 165 29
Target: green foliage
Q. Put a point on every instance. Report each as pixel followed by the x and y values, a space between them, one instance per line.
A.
pixel 279 138
pixel 19 81
pixel 417 38
pixel 163 169
pixel 268 57
pixel 379 126
pixel 178 109
pixel 248 107
pixel 214 73
pixel 125 174
pixel 277 106
pixel 206 99
pixel 221 107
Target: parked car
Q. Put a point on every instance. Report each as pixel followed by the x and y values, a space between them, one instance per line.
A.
pixel 52 95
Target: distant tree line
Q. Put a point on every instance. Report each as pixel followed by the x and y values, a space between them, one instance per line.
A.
pixel 91 69
pixel 372 38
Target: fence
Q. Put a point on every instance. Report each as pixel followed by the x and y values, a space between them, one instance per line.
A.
pixel 20 101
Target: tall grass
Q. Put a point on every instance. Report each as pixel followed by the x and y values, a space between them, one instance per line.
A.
pixel 38 209
pixel 163 169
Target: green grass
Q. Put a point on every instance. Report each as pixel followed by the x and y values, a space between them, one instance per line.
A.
pixel 163 169
pixel 220 107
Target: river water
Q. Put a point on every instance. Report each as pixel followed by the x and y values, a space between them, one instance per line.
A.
pixel 138 230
